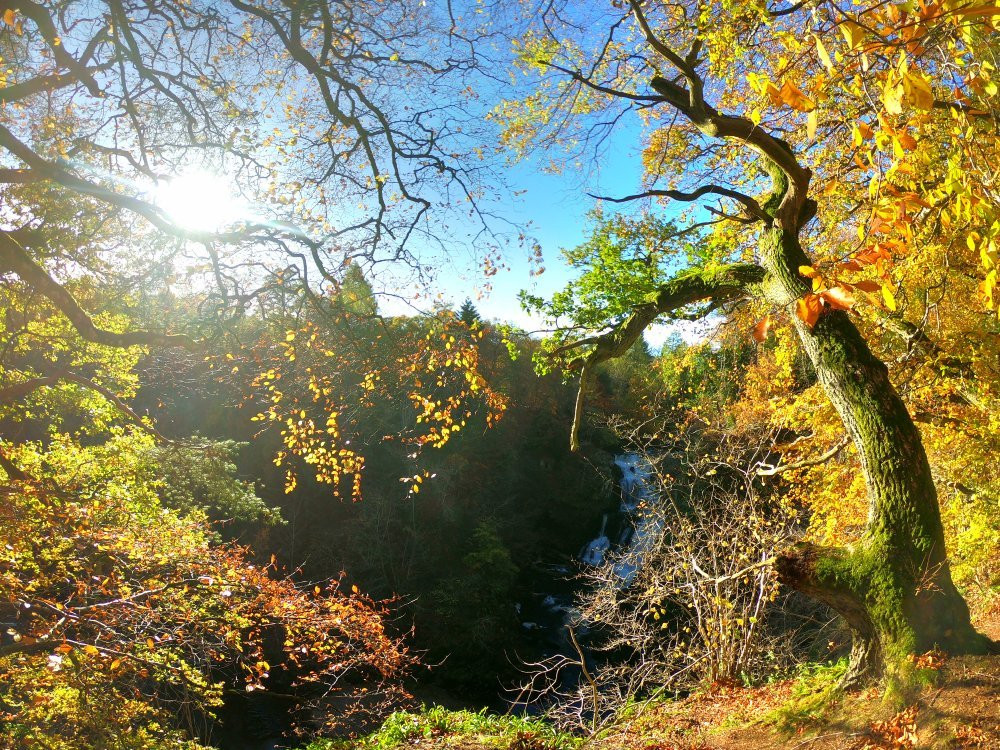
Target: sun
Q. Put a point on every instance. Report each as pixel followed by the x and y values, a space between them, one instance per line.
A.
pixel 200 200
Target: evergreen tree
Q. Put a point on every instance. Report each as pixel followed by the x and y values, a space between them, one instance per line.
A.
pixel 356 295
pixel 468 314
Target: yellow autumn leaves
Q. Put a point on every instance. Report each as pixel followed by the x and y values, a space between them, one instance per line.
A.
pixel 906 87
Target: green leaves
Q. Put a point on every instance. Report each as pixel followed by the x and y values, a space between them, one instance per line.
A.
pixel 623 261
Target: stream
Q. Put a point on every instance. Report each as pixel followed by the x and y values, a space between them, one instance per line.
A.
pixel 626 533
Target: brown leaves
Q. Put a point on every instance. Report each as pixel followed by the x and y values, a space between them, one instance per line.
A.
pixel 971 736
pixel 872 287
pixel 933 659
pixel 897 733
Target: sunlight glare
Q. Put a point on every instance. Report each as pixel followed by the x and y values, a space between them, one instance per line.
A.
pixel 202 201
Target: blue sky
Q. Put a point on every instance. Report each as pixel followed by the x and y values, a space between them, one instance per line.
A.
pixel 553 210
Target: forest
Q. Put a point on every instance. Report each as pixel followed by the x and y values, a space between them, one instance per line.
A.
pixel 499 374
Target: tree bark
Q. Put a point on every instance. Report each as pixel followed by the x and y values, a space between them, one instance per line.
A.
pixel 895 589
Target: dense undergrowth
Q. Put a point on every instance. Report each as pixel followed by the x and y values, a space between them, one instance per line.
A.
pixel 950 705
pixel 444 727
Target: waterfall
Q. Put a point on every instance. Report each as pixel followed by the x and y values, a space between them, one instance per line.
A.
pixel 638 531
pixel 628 533
pixel 628 530
pixel 593 552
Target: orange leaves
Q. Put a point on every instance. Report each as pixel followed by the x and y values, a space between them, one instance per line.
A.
pixel 837 293
pixel 788 94
pixel 761 330
pixel 828 292
pixel 839 298
pixel 861 132
pixel 11 21
pixel 897 733
pixel 808 308
pixel 865 285
pixel 792 95
pixel 933 659
pixel 971 11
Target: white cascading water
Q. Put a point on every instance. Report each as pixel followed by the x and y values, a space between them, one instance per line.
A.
pixel 639 530
pixel 636 531
pixel 593 553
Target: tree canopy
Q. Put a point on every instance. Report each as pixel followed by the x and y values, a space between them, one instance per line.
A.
pixel 841 178
pixel 209 208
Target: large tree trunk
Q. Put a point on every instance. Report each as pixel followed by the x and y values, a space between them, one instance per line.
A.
pixel 894 589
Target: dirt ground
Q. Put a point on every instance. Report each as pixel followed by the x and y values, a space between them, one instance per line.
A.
pixel 960 709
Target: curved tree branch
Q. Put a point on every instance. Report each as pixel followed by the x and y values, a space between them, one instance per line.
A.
pixel 690 101
pixel 14 258
pixel 766 470
pixel 15 392
pixel 752 207
pixel 40 17
pixel 716 284
pixel 582 79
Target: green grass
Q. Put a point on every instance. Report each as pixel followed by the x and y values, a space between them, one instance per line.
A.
pixel 471 727
pixel 815 693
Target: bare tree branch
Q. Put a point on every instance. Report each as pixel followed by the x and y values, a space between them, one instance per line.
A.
pixel 767 470
pixel 752 206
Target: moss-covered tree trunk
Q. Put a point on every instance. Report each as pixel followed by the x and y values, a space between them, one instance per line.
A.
pixel 895 588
